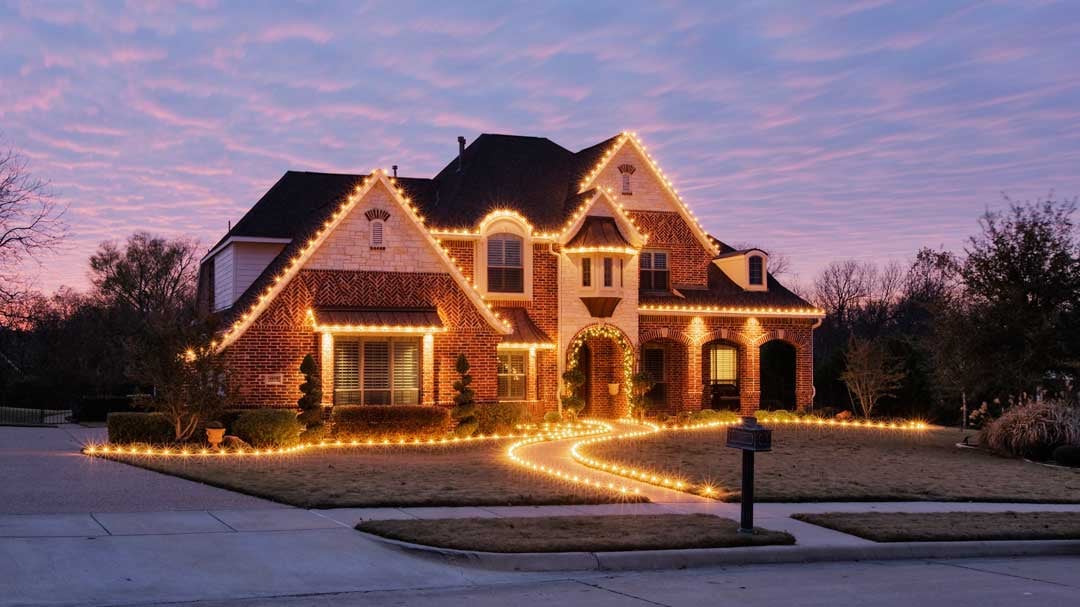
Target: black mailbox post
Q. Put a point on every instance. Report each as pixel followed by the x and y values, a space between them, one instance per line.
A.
pixel 750 437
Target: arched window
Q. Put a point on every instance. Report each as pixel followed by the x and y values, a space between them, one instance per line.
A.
pixel 757 270
pixel 505 269
pixel 377 234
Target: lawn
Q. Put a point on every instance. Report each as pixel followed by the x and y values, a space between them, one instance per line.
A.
pixel 811 463
pixel 460 475
pixel 951 526
pixel 576 533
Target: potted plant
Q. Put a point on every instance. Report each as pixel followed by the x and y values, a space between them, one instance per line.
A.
pixel 215 434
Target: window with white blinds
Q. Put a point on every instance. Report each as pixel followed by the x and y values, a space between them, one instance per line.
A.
pixel 377 234
pixel 722 365
pixel 505 269
pixel 511 375
pixel 376 371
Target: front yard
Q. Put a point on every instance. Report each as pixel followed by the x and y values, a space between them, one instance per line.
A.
pixel 810 463
pixel 459 475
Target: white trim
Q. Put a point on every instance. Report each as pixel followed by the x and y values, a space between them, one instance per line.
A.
pixel 637 239
pixel 228 241
pixel 655 310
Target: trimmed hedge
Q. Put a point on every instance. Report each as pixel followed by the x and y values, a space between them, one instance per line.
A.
pixel 501 418
pixel 391 421
pixel 268 427
pixel 149 428
pixel 705 416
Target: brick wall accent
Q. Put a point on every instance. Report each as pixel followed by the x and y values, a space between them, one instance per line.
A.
pixel 606 367
pixel 676 371
pixel 280 337
pixel 668 231
pixel 749 334
pixel 462 252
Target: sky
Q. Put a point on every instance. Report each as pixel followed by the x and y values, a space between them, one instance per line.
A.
pixel 819 130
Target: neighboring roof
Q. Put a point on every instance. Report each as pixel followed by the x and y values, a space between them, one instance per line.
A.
pixel 741 252
pixel 597 231
pixel 376 317
pixel 722 291
pixel 525 330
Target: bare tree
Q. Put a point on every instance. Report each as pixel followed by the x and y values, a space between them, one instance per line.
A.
pixel 31 223
pixel 843 286
pixel 150 274
pixel 871 374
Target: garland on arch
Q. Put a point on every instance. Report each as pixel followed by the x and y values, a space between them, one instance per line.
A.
pixel 613 333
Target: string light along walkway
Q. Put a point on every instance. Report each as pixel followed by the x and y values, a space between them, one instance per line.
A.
pixel 555 457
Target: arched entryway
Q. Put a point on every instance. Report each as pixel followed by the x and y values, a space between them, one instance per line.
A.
pixel 720 364
pixel 606 357
pixel 777 375
pixel 665 361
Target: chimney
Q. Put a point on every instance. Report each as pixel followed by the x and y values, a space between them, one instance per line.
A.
pixel 461 152
pixel 395 171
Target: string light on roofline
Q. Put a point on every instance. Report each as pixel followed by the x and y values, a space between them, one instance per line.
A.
pixel 729 310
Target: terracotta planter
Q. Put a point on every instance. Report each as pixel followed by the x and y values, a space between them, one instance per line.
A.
pixel 613 389
pixel 214 436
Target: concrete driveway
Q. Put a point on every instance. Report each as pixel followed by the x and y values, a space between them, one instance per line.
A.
pixel 42 472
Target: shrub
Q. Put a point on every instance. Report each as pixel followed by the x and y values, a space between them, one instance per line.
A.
pixel 780 415
pixel 268 427
pixel 464 411
pixel 1032 430
pixel 391 421
pixel 1068 455
pixel 705 416
pixel 150 428
pixel 310 403
pixel 500 418
pixel 552 417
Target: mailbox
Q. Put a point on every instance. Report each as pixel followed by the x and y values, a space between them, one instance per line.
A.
pixel 750 436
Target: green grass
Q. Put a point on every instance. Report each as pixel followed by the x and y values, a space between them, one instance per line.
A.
pixel 951 526
pixel 576 533
pixel 811 463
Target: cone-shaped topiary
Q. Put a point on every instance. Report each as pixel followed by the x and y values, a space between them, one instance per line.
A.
pixel 311 402
pixel 464 401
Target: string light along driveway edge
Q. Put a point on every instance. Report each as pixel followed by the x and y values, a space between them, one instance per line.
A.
pixel 666 481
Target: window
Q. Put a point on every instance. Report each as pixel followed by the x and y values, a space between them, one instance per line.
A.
pixel 757 270
pixel 652 363
pixel 376 372
pixel 377 234
pixel 511 375
pixel 722 366
pixel 626 184
pixel 586 272
pixel 609 270
pixel 506 272
pixel 654 271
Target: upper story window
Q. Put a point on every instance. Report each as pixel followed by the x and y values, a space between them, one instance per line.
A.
pixel 655 275
pixel 377 234
pixel 505 271
pixel 609 271
pixel 586 272
pixel 757 270
pixel 626 170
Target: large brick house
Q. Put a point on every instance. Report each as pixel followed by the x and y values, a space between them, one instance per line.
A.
pixel 526 257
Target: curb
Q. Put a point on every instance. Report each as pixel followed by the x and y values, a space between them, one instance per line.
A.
pixel 710 557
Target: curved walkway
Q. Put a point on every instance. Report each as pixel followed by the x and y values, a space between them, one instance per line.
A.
pixel 555 455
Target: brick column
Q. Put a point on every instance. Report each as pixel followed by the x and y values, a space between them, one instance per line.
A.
pixel 694 386
pixel 427 365
pixel 326 367
pixel 804 375
pixel 530 376
pixel 749 378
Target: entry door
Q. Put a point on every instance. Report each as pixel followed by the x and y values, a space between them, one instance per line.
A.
pixel 654 365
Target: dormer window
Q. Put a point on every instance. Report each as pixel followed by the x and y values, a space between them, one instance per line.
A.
pixel 609 271
pixel 505 271
pixel 377 234
pixel 655 274
pixel 756 270
pixel 626 170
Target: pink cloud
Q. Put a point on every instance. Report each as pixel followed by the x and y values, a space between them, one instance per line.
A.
pixel 295 31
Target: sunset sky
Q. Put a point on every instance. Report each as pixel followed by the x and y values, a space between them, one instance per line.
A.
pixel 850 129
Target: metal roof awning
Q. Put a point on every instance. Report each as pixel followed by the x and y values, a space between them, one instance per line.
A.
pixel 598 234
pixel 526 333
pixel 341 319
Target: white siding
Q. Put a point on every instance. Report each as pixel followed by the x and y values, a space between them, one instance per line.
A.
pixel 224 292
pixel 251 258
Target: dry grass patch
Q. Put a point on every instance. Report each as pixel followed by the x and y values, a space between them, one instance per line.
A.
pixel 810 463
pixel 951 526
pixel 460 475
pixel 577 533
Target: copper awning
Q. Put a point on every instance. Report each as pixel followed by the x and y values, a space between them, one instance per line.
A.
pixel 334 317
pixel 525 330
pixel 598 232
